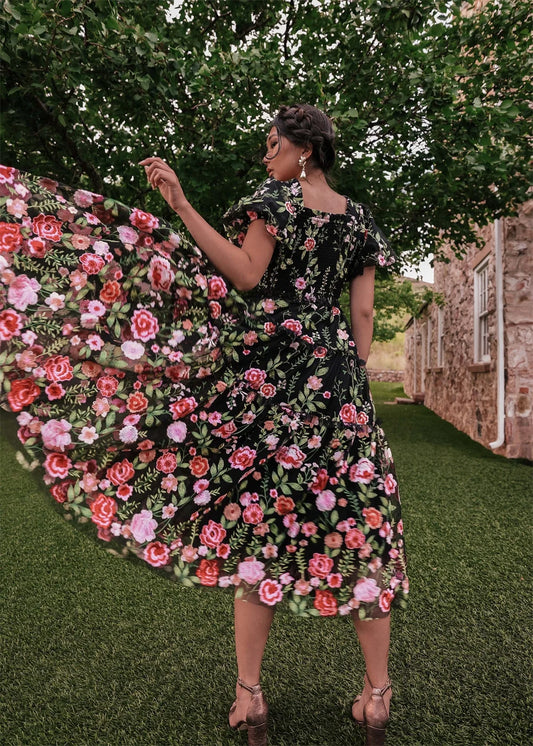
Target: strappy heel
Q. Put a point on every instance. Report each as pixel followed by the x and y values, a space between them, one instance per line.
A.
pixel 375 715
pixel 256 716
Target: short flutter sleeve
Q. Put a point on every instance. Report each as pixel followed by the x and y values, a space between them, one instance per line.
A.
pixel 375 249
pixel 271 202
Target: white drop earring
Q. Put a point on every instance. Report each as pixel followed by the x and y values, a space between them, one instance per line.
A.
pixel 302 160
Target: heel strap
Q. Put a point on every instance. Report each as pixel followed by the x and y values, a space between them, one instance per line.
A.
pixel 376 691
pixel 255 689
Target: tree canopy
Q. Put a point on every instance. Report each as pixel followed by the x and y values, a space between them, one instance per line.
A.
pixel 431 100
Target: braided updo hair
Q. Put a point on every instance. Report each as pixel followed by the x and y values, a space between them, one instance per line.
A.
pixel 304 124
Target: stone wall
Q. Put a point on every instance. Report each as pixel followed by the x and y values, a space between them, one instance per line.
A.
pixel 390 376
pixel 464 391
pixel 518 294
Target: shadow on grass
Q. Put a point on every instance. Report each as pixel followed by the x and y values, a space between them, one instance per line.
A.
pixel 99 651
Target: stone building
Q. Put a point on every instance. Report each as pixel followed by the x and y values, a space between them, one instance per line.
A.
pixel 471 359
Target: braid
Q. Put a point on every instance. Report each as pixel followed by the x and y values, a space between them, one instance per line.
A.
pixel 303 124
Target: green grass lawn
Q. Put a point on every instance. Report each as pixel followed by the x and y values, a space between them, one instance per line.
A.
pixel 99 650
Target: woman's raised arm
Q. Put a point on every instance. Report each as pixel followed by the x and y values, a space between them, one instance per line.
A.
pixel 243 266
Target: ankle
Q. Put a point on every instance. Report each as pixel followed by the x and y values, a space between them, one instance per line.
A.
pixel 380 681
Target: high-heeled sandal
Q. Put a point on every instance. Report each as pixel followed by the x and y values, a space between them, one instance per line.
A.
pixel 375 715
pixel 256 715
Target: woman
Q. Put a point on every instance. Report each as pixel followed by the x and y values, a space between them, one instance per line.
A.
pixel 227 436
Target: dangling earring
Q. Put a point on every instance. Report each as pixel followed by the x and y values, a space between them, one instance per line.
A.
pixel 302 160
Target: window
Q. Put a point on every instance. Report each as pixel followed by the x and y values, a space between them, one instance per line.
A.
pixel 481 314
pixel 440 337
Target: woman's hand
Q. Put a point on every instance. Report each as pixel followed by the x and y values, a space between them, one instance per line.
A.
pixel 162 177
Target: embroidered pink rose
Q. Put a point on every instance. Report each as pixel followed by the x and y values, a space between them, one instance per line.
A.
pixel 362 471
pixel 160 273
pixel 366 590
pixel 56 434
pixel 326 500
pixel 143 526
pixel 23 292
pixel 144 325
pixel 251 570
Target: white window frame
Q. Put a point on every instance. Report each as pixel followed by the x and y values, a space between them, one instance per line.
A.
pixel 440 337
pixel 481 313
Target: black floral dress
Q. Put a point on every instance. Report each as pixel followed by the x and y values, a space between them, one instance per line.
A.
pixel 229 439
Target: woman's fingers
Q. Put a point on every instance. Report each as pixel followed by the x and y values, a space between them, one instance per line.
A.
pixel 157 171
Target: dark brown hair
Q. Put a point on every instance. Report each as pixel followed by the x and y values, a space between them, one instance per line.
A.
pixel 304 124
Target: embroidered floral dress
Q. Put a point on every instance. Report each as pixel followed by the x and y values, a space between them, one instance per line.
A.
pixel 229 439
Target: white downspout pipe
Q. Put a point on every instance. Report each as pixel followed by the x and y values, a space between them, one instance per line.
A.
pixel 500 360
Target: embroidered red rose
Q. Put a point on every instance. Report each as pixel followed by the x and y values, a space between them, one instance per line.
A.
pixel 36 247
pixel 215 309
pixel 385 600
pixel 255 377
pixel 156 554
pixel 216 288
pixel 48 227
pixel 10 324
pixel 268 390
pixel 325 602
pixel 59 491
pixel 225 431
pixel 10 237
pixel 23 392
pixel 120 472
pixel 208 572
pixel 212 534
pixel 103 509
pixel 290 457
pixel 136 402
pixel 320 565
pixel 57 465
pixel 252 514
pixel 144 325
pixel 293 324
pixel 160 273
pixel 167 463
pixel 92 263
pixel 270 592
pixel 373 517
pixel 199 466
pixel 7 174
pixel 354 538
pixel 320 481
pixel 183 407
pixel 363 471
pixel 110 292
pixel 58 368
pixel 389 484
pixel 348 414
pixel 107 385
pixel 242 458
pixel 284 505
pixel 145 221
pixel 309 244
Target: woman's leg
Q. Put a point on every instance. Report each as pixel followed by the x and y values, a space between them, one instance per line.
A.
pixel 252 625
pixel 374 638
